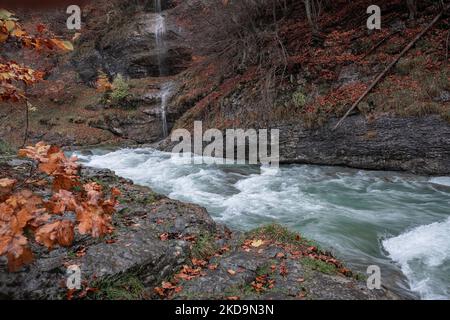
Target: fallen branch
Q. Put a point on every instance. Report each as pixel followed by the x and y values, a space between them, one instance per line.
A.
pixel 375 47
pixel 389 67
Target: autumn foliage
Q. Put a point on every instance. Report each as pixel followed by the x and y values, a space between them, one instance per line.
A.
pixel 12 74
pixel 25 215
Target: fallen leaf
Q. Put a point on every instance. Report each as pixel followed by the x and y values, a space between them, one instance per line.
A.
pixel 199 262
pixel 167 285
pixel 164 237
pixel 280 255
pixel 257 243
pixel 231 272
pixel 283 270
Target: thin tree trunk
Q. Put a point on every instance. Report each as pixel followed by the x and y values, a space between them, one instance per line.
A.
pixel 27 123
pixel 412 7
pixel 309 15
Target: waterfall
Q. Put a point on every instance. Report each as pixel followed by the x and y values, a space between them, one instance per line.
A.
pixel 166 90
pixel 160 32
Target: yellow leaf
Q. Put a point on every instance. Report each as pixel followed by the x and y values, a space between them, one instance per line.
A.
pixel 5 14
pixel 231 272
pixel 10 25
pixel 7 183
pixel 63 45
pixel 257 243
pixel 68 45
pixel 18 33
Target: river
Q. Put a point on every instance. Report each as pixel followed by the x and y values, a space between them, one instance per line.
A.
pixel 398 221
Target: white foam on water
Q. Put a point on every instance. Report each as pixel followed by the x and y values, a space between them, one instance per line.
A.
pixel 444 181
pixel 346 210
pixel 420 253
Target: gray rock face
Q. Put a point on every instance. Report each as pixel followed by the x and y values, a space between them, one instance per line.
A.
pixel 138 127
pixel 415 144
pixel 129 48
pixel 419 145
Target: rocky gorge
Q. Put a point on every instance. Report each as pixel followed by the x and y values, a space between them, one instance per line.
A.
pixel 165 74
pixel 164 248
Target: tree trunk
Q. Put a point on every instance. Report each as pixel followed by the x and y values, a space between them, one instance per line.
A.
pixel 310 15
pixel 412 7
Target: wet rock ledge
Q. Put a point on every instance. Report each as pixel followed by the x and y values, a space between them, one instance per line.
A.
pixel 166 249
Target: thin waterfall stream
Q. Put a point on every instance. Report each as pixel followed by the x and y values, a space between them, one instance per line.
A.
pixel 160 33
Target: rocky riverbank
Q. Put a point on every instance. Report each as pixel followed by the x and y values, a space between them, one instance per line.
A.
pixel 166 249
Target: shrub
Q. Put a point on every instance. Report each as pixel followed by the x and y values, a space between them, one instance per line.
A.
pixel 299 98
pixel 120 90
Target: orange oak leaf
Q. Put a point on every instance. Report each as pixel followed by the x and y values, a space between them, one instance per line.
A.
pixel 59 232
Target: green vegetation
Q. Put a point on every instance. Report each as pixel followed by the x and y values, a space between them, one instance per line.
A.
pixel 127 287
pixel 244 290
pixel 299 98
pixel 204 247
pixel 151 198
pixel 415 92
pixel 265 269
pixel 319 265
pixel 276 232
pixel 118 94
pixel 120 91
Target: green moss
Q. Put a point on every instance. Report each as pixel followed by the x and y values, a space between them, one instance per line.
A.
pixel 127 287
pixel 71 254
pixel 245 290
pixel 151 198
pixel 77 189
pixel 265 269
pixel 360 276
pixel 276 232
pixel 319 265
pixel 204 247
